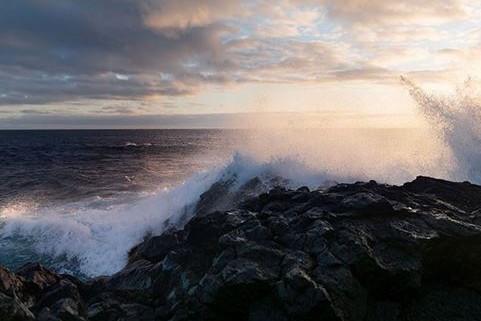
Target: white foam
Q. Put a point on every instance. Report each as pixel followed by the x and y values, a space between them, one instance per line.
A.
pixel 99 239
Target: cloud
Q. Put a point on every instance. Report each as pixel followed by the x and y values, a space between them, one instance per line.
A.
pixel 389 12
pixel 115 50
pixel 372 24
pixel 91 37
pixel 34 112
pixel 122 109
pixel 168 16
pixel 55 51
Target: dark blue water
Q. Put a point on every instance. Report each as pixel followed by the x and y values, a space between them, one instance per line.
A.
pixel 71 165
pixel 78 200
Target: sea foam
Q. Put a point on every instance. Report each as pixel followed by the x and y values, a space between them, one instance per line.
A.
pixel 86 241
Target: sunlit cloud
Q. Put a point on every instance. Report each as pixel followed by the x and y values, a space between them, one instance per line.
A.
pixel 155 52
pixel 388 12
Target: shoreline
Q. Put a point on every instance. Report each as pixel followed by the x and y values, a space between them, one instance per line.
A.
pixel 362 251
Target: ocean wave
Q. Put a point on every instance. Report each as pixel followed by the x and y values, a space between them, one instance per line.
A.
pixel 95 241
pixel 91 240
pixel 130 144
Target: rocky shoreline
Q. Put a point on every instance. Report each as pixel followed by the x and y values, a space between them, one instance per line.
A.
pixel 363 251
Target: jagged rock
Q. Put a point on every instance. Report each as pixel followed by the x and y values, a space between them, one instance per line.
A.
pixel 66 309
pixel 12 309
pixel 352 252
pixel 155 248
pixel 135 276
pixel 38 275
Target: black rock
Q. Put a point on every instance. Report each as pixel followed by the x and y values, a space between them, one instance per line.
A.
pixel 363 251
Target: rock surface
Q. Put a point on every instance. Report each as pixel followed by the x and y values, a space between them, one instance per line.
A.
pixel 361 251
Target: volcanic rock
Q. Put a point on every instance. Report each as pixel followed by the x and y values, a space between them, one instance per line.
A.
pixel 352 252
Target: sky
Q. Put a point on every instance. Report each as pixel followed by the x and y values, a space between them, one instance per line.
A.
pixel 223 63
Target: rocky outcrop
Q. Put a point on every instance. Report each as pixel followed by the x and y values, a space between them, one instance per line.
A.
pixel 363 251
pixel 35 293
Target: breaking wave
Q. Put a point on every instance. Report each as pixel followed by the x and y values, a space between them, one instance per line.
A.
pixel 131 144
pixel 89 240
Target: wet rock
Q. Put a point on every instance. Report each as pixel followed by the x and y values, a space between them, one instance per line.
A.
pixel 351 252
pixel 38 275
pixel 156 248
pixel 9 282
pixel 136 276
pixel 12 309
pixel 463 195
pixel 66 309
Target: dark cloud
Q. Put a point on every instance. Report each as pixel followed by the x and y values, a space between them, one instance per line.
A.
pixel 34 112
pixel 95 36
pixel 66 50
pixel 123 110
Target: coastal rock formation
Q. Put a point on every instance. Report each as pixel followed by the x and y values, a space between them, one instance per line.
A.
pixel 363 251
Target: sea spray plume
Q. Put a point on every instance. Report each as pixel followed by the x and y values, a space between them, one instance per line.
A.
pixel 386 155
pixel 457 121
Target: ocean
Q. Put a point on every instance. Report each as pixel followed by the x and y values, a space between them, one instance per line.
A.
pixel 49 178
pixel 58 166
pixel 79 200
